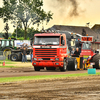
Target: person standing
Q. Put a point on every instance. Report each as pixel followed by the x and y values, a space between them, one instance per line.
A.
pixel 72 52
pixel 31 53
pixel 76 53
pixel 24 55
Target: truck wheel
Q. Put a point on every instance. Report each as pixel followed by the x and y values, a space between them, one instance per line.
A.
pixel 14 57
pixel 69 65
pixel 36 68
pixel 96 59
pixel 7 49
pixel 74 64
pixel 64 68
pixel 50 68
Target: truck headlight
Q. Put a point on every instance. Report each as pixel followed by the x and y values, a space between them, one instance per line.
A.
pixel 34 58
pixel 56 58
pixel 89 57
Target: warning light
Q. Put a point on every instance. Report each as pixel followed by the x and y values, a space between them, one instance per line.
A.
pixel 87 39
pixel 86 34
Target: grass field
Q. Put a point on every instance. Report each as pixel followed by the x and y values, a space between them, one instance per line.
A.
pixel 7 66
pixel 24 78
pixel 8 62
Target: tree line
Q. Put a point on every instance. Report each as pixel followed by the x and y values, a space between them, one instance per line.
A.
pixel 24 13
pixel 20 33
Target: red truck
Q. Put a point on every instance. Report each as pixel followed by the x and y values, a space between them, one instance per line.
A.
pixel 50 51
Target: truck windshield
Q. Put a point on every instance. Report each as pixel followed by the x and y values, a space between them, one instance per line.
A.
pixel 46 40
pixel 86 46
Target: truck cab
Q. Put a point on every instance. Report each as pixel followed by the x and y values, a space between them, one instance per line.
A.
pixel 50 51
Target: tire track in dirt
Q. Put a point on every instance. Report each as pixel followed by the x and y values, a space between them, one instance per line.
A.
pixel 70 88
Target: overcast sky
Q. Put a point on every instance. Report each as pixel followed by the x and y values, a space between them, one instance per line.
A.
pixel 68 12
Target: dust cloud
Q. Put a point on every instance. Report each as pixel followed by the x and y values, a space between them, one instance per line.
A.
pixel 71 7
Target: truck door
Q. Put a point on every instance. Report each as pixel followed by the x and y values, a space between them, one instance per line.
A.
pixel 63 46
pixel 62 41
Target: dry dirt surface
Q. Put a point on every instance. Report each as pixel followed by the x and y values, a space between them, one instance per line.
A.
pixel 71 88
pixel 26 69
pixel 29 71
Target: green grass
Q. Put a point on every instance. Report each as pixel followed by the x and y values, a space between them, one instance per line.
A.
pixel 24 78
pixel 10 63
pixel 7 62
pixel 7 66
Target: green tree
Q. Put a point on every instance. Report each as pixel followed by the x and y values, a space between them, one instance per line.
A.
pixel 31 31
pixel 24 12
pixel 1 34
pixel 20 32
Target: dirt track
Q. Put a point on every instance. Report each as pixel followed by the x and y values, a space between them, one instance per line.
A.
pixel 26 69
pixel 70 88
pixel 29 71
pixel 77 88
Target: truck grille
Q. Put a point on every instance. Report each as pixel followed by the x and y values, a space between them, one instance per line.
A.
pixel 45 52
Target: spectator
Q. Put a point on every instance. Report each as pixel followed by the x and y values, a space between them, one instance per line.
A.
pixel 72 52
pixel 26 46
pixel 24 55
pixel 31 53
pixel 76 53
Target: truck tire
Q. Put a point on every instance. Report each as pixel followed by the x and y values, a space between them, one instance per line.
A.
pixel 13 57
pixel 74 65
pixel 96 59
pixel 69 65
pixel 36 68
pixel 64 68
pixel 7 49
pixel 50 68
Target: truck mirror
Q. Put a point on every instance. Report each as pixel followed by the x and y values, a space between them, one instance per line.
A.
pixel 63 42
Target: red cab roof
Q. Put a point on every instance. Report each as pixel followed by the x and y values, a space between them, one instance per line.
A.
pixel 48 34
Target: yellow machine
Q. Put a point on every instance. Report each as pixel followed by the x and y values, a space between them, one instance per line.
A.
pixel 81 65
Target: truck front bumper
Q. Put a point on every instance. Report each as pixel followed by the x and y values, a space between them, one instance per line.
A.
pixel 47 64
